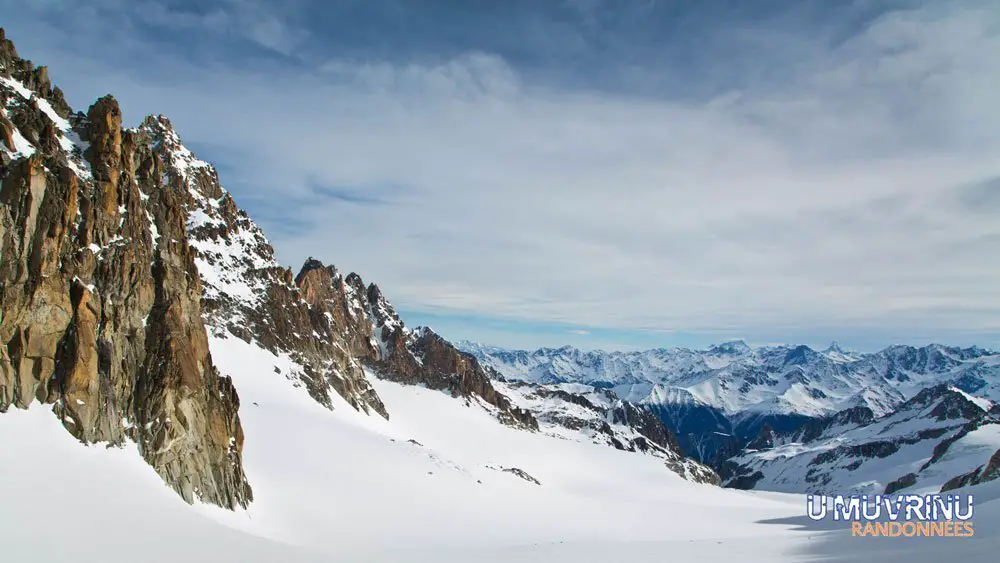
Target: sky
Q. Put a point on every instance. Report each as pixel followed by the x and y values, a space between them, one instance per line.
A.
pixel 606 174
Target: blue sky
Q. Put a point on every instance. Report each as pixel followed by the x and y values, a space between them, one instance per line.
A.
pixel 616 174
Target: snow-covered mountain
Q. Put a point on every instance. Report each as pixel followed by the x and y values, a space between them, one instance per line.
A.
pixel 339 333
pixel 939 439
pixel 735 378
pixel 790 418
pixel 718 398
pixel 570 409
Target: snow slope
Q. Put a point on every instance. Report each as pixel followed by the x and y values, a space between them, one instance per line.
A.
pixel 449 479
pixel 344 486
pixel 63 501
pixel 343 483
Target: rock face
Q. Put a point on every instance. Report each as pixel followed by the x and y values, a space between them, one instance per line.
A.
pixel 120 250
pixel 361 321
pixel 101 298
pixel 246 293
pixel 764 440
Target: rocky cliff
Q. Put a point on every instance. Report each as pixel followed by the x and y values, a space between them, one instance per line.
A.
pixel 363 322
pixel 101 298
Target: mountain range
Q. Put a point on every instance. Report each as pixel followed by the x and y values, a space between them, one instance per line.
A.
pixel 729 402
pixel 735 379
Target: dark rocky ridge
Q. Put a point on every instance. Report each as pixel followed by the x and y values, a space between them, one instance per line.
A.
pixel 272 313
pixel 369 328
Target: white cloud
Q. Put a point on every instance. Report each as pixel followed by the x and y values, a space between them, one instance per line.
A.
pixel 830 198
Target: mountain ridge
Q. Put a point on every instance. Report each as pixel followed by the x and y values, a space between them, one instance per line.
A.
pixel 939 439
pixel 675 370
pixel 124 261
pixel 718 399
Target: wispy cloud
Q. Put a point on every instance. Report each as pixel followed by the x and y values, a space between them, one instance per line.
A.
pixel 356 196
pixel 786 172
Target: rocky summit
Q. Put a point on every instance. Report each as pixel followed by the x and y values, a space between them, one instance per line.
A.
pixel 121 254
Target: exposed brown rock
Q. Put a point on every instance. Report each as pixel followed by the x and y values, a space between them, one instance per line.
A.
pixel 361 321
pixel 6 132
pixel 424 358
pixel 97 319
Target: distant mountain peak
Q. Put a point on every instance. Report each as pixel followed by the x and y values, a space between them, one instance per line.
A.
pixel 733 347
pixel 835 347
pixel 734 378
